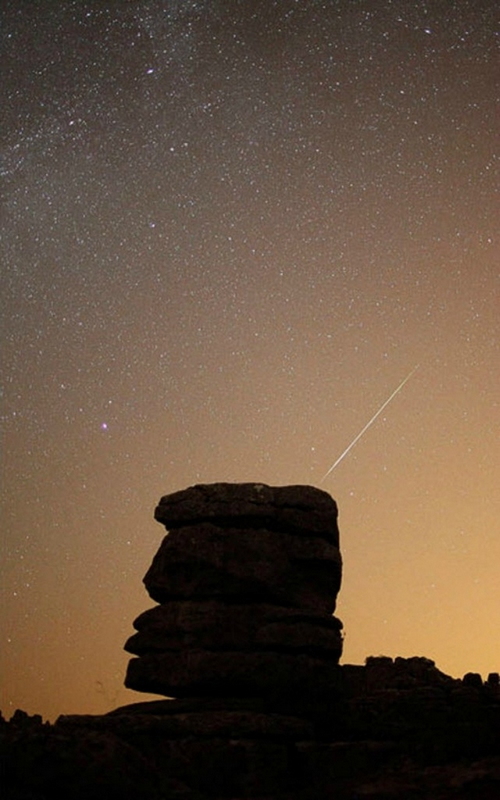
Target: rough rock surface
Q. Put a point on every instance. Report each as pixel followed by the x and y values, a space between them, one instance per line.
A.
pixel 206 561
pixel 247 674
pixel 213 625
pixel 294 509
pixel 247 580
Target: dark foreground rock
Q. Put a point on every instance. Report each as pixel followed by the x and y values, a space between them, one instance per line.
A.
pixel 400 729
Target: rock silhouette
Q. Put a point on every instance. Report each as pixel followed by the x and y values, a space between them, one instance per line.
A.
pixel 245 640
pixel 247 578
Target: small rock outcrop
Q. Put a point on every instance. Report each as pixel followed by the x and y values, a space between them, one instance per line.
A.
pixel 247 580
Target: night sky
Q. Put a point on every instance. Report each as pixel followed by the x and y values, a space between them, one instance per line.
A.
pixel 230 230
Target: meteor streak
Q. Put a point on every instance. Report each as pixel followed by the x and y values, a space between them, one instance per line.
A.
pixel 339 459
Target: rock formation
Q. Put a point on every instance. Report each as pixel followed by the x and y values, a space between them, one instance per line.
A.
pixel 247 580
pixel 244 638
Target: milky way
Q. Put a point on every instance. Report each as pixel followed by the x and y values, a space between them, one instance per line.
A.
pixel 229 229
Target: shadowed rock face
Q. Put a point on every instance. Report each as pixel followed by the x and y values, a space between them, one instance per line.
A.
pixel 184 625
pixel 293 509
pixel 206 561
pixel 247 579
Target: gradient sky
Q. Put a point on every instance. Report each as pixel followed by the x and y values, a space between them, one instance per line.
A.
pixel 230 229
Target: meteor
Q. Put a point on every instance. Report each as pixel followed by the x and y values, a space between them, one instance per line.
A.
pixel 360 434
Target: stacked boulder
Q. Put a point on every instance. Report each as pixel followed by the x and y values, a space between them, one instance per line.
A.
pixel 246 580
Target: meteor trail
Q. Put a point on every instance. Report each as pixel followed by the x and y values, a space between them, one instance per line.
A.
pixel 339 459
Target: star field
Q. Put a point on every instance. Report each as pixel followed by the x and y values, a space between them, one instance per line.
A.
pixel 229 231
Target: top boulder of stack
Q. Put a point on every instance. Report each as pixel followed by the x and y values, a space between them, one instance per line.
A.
pixel 288 509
